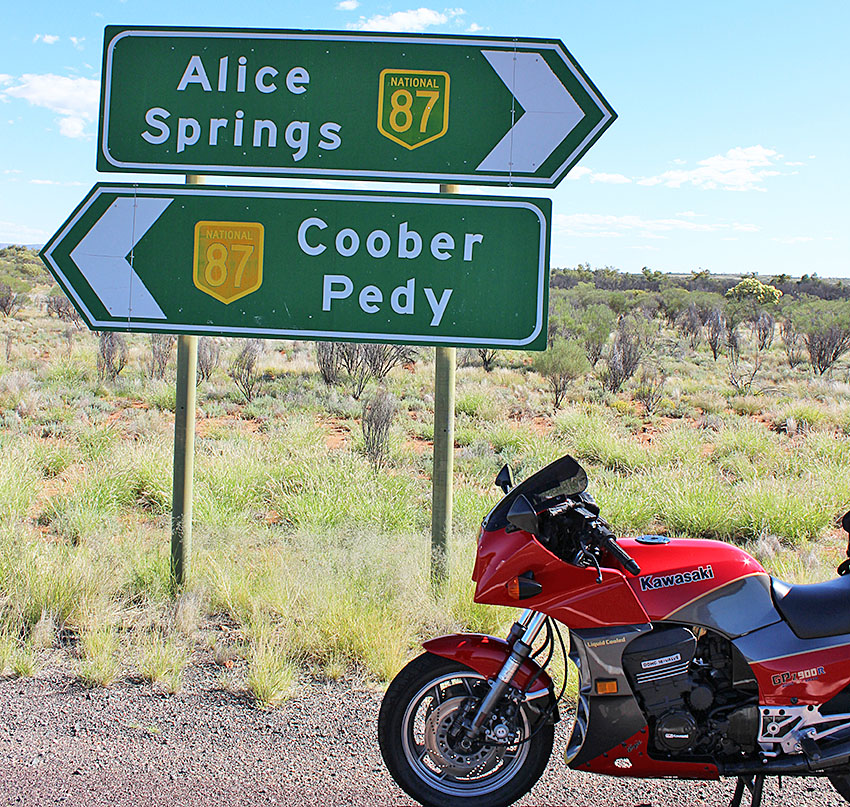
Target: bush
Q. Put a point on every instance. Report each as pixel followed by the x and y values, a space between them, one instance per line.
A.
pixel 560 364
pixel 377 418
pixel 161 345
pixel 111 355
pixel 827 333
pixel 209 356
pixel 244 370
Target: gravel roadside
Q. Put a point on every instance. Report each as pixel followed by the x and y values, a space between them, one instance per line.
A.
pixel 63 744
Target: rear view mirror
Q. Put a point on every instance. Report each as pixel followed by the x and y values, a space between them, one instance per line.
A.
pixel 505 479
pixel 523 516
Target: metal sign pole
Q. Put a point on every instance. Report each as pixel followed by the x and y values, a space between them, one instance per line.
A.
pixel 184 449
pixel 444 442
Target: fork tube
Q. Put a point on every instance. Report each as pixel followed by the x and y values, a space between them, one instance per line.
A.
pixel 532 621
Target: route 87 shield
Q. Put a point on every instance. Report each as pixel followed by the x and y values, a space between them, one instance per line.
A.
pixel 413 106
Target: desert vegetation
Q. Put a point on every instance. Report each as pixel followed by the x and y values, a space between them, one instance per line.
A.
pixel 701 406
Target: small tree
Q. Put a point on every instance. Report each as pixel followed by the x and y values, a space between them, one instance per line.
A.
pixel 352 358
pixel 111 355
pixel 328 361
pixel 792 341
pixel 625 353
pixel 377 418
pixel 10 301
pixel 209 356
pixel 765 328
pixel 563 361
pixel 715 331
pixel 380 359
pixel 827 332
pixel 650 388
pixel 690 324
pixel 161 346
pixel 488 358
pixel 244 370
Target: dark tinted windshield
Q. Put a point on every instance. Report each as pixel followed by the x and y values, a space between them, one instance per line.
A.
pixel 549 486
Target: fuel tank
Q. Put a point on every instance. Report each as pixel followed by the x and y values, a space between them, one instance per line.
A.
pixel 701 582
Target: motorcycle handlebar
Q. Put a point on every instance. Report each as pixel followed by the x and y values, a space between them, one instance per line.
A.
pixel 626 560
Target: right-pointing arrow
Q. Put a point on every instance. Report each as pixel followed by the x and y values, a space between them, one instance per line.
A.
pixel 101 256
pixel 551 113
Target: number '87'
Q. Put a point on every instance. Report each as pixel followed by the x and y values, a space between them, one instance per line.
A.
pixel 401 113
pixel 217 267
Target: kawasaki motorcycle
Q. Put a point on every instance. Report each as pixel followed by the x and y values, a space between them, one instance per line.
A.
pixel 693 662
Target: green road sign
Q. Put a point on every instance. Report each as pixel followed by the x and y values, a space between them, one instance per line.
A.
pixel 424 269
pixel 423 108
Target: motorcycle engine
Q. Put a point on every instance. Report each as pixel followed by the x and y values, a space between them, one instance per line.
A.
pixel 698 695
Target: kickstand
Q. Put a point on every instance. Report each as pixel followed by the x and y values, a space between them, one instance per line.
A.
pixel 754 784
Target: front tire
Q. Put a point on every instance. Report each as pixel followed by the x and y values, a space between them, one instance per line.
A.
pixel 421 751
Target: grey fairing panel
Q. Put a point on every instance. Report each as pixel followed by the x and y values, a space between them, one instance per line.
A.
pixel 604 721
pixel 740 607
pixel 778 641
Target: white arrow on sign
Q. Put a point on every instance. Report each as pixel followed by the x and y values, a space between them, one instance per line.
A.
pixel 551 113
pixel 101 256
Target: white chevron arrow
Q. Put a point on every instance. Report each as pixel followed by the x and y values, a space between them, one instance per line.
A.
pixel 101 256
pixel 551 113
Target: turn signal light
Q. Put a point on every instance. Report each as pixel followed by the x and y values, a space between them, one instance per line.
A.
pixel 523 586
pixel 606 686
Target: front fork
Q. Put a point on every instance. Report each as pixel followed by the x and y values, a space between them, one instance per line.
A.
pixel 521 638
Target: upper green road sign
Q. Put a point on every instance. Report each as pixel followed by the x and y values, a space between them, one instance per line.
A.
pixel 382 267
pixel 423 108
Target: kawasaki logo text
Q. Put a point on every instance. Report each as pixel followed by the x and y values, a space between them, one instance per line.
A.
pixel 651 582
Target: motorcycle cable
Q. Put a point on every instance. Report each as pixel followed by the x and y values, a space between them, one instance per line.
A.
pixel 545 715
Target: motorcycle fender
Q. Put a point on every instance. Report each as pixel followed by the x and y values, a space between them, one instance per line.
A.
pixel 486 655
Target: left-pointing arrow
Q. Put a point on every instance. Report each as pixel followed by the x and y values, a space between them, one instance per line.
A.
pixel 101 256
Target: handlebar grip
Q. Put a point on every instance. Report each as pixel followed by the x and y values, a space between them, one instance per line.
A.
pixel 626 560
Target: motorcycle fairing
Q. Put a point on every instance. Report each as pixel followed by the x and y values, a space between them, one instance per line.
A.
pixel 486 655
pixel 569 594
pixel 791 670
pixel 610 732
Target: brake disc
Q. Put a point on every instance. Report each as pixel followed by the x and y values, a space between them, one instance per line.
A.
pixel 445 750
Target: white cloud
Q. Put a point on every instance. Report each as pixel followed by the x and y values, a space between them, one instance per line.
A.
pixel 474 28
pixel 74 99
pixel 594 225
pixel 410 21
pixel 347 5
pixel 610 179
pixel 54 182
pixel 77 42
pixel 11 232
pixel 794 239
pixel 48 39
pixel 740 169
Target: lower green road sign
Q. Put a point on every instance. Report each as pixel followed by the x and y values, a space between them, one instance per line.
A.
pixel 354 266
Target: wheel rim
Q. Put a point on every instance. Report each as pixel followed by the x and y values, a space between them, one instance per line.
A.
pixel 434 758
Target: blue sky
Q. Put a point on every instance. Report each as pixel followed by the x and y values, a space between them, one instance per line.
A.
pixel 729 154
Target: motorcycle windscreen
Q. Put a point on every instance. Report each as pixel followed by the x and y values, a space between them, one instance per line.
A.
pixel 549 486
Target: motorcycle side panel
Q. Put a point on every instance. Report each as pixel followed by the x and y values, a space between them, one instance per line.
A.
pixel 610 732
pixel 794 671
pixel 631 758
pixel 486 655
pixel 569 594
pixel 702 582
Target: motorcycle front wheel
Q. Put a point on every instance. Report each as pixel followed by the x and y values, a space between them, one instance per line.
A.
pixel 430 759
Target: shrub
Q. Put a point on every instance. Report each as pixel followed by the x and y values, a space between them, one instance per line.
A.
pixel 827 333
pixel 377 418
pixel 715 328
pixel 560 364
pixel 380 359
pixel 328 360
pixel 624 354
pixel 488 358
pixel 209 356
pixel 161 345
pixel 111 355
pixel 650 388
pixel 244 370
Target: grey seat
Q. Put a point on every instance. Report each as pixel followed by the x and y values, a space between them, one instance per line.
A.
pixel 814 610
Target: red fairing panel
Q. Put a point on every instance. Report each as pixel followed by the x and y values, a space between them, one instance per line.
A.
pixel 674 575
pixel 569 594
pixel 635 761
pixel 812 678
pixel 486 655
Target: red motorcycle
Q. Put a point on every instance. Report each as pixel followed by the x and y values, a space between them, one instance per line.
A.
pixel 693 662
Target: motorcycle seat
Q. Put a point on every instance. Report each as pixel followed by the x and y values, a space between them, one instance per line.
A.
pixel 814 610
